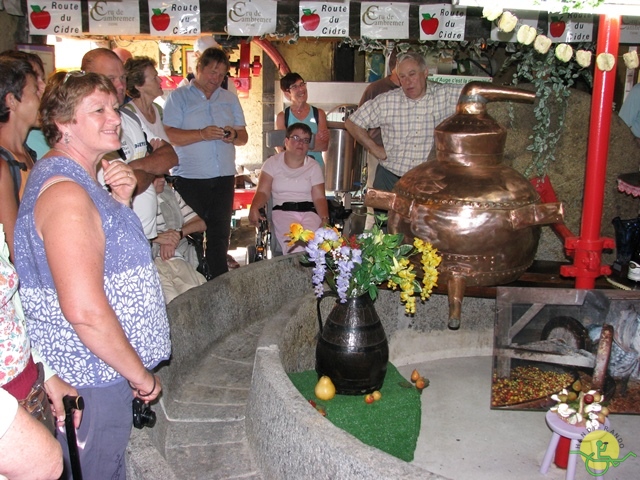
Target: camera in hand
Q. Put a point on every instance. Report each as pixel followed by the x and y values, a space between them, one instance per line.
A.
pixel 143 416
pixel 227 133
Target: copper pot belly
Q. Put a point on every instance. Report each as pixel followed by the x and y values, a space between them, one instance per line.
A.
pixel 483 216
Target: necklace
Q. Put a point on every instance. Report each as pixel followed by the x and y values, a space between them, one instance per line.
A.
pixel 71 157
pixel 300 110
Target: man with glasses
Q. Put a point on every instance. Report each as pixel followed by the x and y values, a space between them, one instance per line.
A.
pixel 295 91
pixel 406 117
pixel 147 159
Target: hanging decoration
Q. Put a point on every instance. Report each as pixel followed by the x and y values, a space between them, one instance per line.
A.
pixel 174 17
pixel 442 21
pixel 324 19
pixel 55 18
pixel 251 17
pixel 384 20
pixel 113 18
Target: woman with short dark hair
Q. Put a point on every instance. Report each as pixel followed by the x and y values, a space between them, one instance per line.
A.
pixel 295 90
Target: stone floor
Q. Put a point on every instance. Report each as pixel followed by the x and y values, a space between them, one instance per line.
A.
pixel 461 437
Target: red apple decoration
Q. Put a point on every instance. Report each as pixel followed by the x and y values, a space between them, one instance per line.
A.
pixel 310 20
pixel 429 24
pixel 160 20
pixel 556 27
pixel 369 398
pixel 39 17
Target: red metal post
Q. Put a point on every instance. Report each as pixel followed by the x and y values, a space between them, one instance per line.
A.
pixel 588 247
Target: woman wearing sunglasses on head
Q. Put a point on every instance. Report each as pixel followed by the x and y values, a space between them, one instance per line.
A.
pixel 297 184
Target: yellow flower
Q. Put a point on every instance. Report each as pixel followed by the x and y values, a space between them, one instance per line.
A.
pixel 298 233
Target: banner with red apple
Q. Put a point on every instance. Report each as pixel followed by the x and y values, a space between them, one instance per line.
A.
pixel 525 17
pixel 324 19
pixel 442 21
pixel 114 17
pixel 55 18
pixel 570 27
pixel 251 17
pixel 384 20
pixel 178 17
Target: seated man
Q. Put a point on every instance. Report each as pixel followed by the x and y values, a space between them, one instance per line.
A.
pixel 174 257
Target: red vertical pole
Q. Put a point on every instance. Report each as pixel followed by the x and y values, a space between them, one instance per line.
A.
pixel 588 247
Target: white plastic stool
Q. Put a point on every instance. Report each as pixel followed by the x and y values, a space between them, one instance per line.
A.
pixel 564 429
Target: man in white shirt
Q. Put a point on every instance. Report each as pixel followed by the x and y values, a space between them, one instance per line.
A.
pixel 146 165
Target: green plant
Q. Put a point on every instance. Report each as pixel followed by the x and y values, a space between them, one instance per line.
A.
pixel 358 265
pixel 552 80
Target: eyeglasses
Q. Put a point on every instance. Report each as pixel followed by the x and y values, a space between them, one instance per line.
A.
pixel 296 138
pixel 296 86
pixel 74 74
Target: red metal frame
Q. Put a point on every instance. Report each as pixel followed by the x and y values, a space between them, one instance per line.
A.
pixel 588 247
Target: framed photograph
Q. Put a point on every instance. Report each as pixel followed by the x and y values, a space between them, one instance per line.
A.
pixel 46 52
pixel 189 61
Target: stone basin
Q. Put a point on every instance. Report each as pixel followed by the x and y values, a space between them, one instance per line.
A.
pixel 264 316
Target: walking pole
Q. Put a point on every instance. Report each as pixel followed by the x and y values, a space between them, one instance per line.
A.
pixel 71 404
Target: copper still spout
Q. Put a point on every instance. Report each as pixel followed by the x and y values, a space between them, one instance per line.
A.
pixel 483 216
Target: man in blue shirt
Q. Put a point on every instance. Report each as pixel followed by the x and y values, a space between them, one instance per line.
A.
pixel 205 123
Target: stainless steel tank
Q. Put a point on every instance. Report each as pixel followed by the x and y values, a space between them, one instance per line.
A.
pixel 343 159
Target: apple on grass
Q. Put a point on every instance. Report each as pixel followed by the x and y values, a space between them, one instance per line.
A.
pixel 40 18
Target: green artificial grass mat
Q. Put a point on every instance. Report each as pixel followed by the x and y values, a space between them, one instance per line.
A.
pixel 391 424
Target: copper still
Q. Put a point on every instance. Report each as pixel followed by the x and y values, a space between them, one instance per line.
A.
pixel 483 216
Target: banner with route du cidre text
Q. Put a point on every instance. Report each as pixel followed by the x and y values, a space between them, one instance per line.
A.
pixel 55 18
pixel 324 19
pixel 442 21
pixel 178 17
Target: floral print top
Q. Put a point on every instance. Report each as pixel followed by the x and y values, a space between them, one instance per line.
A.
pixel 14 342
pixel 131 284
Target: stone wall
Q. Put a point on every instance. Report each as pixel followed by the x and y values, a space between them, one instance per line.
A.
pixel 568 172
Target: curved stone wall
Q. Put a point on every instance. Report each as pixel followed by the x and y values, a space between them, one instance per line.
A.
pixel 288 439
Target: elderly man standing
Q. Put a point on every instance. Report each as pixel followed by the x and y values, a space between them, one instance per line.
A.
pixel 407 118
pixel 205 122
pixel 134 151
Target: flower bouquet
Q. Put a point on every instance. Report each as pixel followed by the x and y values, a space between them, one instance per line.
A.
pixel 358 265
pixel 580 409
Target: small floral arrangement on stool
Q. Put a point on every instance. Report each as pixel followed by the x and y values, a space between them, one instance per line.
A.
pixel 580 409
pixel 358 265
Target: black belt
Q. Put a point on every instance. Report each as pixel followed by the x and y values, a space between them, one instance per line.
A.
pixel 296 207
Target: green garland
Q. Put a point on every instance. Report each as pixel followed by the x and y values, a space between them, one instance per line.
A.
pixel 552 80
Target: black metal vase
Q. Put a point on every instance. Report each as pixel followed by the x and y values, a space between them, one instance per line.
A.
pixel 352 348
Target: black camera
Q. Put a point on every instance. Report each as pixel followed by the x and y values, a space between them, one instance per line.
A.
pixel 143 416
pixel 227 133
